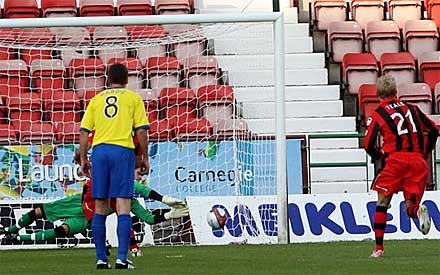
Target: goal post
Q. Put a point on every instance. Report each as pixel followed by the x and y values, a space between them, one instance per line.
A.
pixel 240 141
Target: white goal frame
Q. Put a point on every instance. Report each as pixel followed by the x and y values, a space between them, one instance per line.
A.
pixel 278 35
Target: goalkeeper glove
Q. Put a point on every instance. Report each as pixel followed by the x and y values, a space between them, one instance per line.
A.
pixel 176 213
pixel 173 202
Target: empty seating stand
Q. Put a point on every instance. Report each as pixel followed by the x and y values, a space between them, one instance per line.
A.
pixel 404 10
pixel 216 102
pixel 400 65
pixel 58 8
pixel 368 101
pixel 416 93
pixel 8 134
pixel 163 72
pixel 357 69
pixel 382 37
pixel 134 7
pixel 201 71
pixel 429 68
pixel 36 39
pixel 326 11
pixel 344 37
pixel 433 8
pixel 96 8
pixel 21 9
pixel 420 36
pixel 173 6
pixel 108 36
pixel 14 79
pixel 364 11
pixel 35 132
pixel 72 37
pixel 143 52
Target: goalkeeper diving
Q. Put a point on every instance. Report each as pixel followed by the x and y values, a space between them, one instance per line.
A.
pixel 77 212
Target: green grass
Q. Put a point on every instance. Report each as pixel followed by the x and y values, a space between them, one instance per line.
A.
pixel 402 257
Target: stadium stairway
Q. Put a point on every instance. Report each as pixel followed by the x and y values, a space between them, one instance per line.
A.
pixel 312 106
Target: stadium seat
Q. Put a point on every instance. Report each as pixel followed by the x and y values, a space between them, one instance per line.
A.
pixel 172 7
pixel 404 10
pixel 109 36
pixel 34 38
pixel 73 37
pixel 357 69
pixel 368 101
pixel 420 36
pixel 326 11
pixel 87 75
pixel 58 8
pixel 68 132
pixel 143 52
pixel 161 129
pixel 429 68
pixel 96 8
pixel 416 93
pixel 382 37
pixel 178 104
pixel 400 65
pixel 8 134
pixel 61 100
pixel 193 128
pixel 201 71
pixel 433 8
pixel 163 72
pixel 21 9
pixel 437 98
pixel 27 107
pixel 344 37
pixel 216 102
pixel 47 76
pixel 7 36
pixel 14 78
pixel 225 128
pixel 187 49
pixel 364 11
pixel 35 132
pixel 134 7
pixel 135 72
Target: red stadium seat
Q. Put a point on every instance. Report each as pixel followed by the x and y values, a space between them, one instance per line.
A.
pixel 420 36
pixel 326 11
pixel 172 6
pixel 135 72
pixel 404 10
pixel 34 37
pixel 364 11
pixel 27 107
pixel 193 128
pixel 382 37
pixel 368 100
pixel 8 134
pixel 416 93
pixel 429 68
pixel 47 75
pixel 201 71
pixel 87 75
pixel 21 9
pixel 72 37
pixel 230 127
pixel 161 129
pixel 400 65
pixel 178 104
pixel 344 37
pixel 134 7
pixel 96 8
pixel 163 72
pixel 14 78
pixel 58 8
pixel 216 102
pixel 68 132
pixel 35 132
pixel 188 49
pixel 61 100
pixel 433 8
pixel 357 69
pixel 437 98
pixel 143 52
pixel 7 36
pixel 109 36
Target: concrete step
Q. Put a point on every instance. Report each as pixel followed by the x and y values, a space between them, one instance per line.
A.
pixel 334 143
pixel 304 125
pixel 340 187
pixel 293 93
pixel 262 45
pixel 338 155
pixel 294 109
pixel 338 174
pixel 267 77
pixel 266 61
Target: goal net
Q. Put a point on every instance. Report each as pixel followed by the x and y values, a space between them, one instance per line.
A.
pixel 209 94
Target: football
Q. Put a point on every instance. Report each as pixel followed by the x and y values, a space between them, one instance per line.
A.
pixel 216 218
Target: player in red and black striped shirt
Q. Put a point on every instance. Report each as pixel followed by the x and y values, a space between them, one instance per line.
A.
pixel 404 152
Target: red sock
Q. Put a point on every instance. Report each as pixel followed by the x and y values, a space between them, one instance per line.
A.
pixel 412 210
pixel 380 222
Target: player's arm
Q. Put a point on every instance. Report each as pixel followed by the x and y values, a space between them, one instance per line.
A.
pixel 149 193
pixel 141 126
pixel 146 216
pixel 370 141
pixel 87 125
pixel 431 128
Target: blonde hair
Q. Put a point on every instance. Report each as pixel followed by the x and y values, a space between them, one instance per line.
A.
pixel 386 87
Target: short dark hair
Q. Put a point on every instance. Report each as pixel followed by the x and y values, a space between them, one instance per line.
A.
pixel 118 74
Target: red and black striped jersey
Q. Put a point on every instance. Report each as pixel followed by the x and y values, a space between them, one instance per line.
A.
pixel 402 126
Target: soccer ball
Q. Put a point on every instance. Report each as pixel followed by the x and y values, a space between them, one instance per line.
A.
pixel 216 218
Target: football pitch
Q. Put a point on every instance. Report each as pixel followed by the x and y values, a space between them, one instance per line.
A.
pixel 402 257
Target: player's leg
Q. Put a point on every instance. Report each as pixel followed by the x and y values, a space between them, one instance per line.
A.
pixel 46 235
pixel 380 222
pixel 122 188
pixel 100 178
pixel 25 220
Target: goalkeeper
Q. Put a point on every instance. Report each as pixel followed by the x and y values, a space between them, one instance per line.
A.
pixel 70 209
